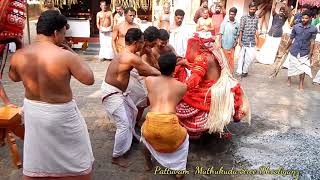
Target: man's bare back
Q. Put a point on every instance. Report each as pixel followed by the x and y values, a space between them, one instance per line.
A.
pixel 164 93
pixel 45 70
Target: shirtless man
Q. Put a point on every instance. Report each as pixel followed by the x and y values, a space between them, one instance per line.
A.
pixel 161 132
pixel 163 47
pixel 105 24
pixel 164 22
pixel 115 97
pixel 49 5
pixel 136 84
pixel 118 17
pixel 120 30
pixel 205 23
pixel 51 116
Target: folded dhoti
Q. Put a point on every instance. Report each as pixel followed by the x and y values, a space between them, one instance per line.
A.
pixel 138 90
pixel 166 139
pixel 299 65
pixel 124 112
pixel 56 140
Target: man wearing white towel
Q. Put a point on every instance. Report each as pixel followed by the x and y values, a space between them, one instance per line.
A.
pixel 56 143
pixel 116 97
pixel 300 61
pixel 105 26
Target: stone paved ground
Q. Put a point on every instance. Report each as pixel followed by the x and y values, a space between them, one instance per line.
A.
pixel 284 132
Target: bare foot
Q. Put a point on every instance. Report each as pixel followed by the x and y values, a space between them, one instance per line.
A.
pixel 120 161
pixel 179 176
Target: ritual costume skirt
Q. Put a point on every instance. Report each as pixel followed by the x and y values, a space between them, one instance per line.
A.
pixel 120 48
pixel 56 142
pixel 299 65
pixel 166 139
pixel 106 50
pixel 193 119
pixel 246 57
pixel 122 109
pixel 268 52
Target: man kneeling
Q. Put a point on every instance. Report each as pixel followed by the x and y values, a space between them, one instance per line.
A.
pixel 162 134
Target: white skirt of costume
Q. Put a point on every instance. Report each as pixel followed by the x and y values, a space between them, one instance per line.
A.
pixel 106 50
pixel 246 57
pixel 174 161
pixel 120 106
pixel 56 140
pixel 317 78
pixel 137 89
pixel 268 52
pixel 299 65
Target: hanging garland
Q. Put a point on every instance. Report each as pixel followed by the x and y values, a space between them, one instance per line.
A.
pixel 136 4
pixel 60 3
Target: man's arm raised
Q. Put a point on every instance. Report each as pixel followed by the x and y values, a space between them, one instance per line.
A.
pixel 143 68
pixel 79 69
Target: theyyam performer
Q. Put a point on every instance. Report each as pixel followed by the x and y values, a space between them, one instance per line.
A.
pixel 214 98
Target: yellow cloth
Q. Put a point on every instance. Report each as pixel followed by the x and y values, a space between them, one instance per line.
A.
pixel 163 131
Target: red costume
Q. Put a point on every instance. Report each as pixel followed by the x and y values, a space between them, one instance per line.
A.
pixel 194 108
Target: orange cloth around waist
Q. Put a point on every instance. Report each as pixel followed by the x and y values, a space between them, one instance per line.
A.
pixel 163 131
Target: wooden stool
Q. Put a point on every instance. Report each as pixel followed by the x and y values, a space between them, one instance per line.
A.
pixel 10 124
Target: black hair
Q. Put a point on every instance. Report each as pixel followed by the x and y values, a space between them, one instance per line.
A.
pixel 129 9
pixel 179 12
pixel 234 10
pixel 164 35
pixel 252 4
pixel 167 63
pixel 204 1
pixel 133 35
pixel 50 21
pixel 151 33
pixel 307 13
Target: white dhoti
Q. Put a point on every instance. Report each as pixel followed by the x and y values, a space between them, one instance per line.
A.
pixel 317 78
pixel 106 50
pixel 57 142
pixel 299 65
pixel 124 112
pixel 268 52
pixel 138 90
pixel 246 57
pixel 176 160
pixel 179 40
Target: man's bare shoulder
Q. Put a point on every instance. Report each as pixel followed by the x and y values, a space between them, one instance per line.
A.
pixel 127 58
